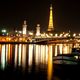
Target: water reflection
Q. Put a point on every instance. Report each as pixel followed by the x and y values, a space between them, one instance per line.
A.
pixel 19 56
pixel 3 56
pixel 28 55
pixel 50 65
pixel 9 53
pixel 16 55
pixel 24 56
pixel 56 50
pixel 41 54
pixel 63 49
pixel 37 54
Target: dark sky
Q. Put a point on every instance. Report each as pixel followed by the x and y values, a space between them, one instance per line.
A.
pixel 66 14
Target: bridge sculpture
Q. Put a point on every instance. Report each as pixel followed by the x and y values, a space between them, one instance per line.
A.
pixel 40 39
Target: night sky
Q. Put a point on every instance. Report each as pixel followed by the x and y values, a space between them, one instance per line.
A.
pixel 66 14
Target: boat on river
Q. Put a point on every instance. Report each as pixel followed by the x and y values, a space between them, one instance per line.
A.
pixel 72 58
pixel 67 65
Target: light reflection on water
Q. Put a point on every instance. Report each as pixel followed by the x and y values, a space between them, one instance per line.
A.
pixel 30 56
pixel 16 55
pixel 19 54
pixel 9 53
pixel 50 66
pixel 3 57
pixel 25 56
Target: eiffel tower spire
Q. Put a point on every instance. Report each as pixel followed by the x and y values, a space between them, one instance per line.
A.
pixel 50 26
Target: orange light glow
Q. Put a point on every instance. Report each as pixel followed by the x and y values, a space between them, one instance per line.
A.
pixel 50 64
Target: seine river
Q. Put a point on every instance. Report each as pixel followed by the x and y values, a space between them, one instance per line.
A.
pixel 30 61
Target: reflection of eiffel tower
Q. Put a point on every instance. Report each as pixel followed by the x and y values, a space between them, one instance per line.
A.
pixel 50 26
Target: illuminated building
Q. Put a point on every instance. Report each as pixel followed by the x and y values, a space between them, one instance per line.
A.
pixel 38 30
pixel 50 26
pixel 24 28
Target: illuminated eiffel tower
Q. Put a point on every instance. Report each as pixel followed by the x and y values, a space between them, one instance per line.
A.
pixel 50 26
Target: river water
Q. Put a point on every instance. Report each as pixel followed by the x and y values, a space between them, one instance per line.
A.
pixel 30 61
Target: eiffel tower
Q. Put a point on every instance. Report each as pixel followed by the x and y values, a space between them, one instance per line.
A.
pixel 50 26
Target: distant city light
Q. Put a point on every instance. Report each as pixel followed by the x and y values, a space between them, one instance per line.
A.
pixel 4 31
pixel 51 34
pixel 30 33
pixel 7 33
pixel 61 35
pixel 56 35
pixel 20 31
pixel 74 34
pixel 69 35
pixel 16 31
